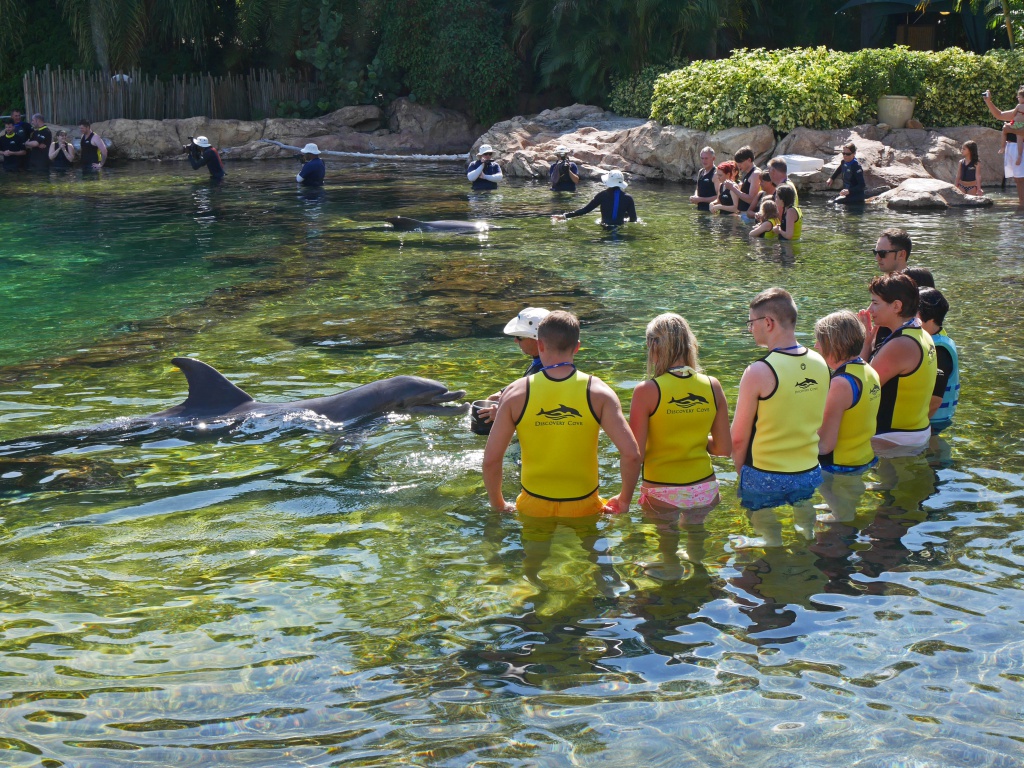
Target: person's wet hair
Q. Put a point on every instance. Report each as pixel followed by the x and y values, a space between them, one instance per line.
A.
pixel 779 165
pixel 972 151
pixel 897 287
pixel 898 238
pixel 769 210
pixel 777 303
pixel 932 306
pixel 743 153
pixel 920 275
pixel 669 339
pixel 840 335
pixel 786 194
pixel 766 177
pixel 559 330
pixel 851 148
pixel 727 167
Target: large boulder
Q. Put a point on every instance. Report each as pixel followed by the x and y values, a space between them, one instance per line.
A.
pixel 890 157
pixel 428 129
pixel 600 140
pixel 928 195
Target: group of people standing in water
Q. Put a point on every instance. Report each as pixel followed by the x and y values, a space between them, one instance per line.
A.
pixel 879 382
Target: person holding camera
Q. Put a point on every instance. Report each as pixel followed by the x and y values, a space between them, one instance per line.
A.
pixel 313 168
pixel 94 149
pixel 563 174
pixel 61 152
pixel 200 153
pixel 484 172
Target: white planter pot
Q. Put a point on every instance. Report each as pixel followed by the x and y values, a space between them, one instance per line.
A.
pixel 895 111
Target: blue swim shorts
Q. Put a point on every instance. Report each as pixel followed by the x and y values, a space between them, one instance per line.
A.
pixel 839 469
pixel 759 489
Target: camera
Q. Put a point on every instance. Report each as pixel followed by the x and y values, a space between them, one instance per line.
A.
pixel 986 94
pixel 190 147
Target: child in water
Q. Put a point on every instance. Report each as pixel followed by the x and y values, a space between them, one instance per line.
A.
pixel 768 217
pixel 968 175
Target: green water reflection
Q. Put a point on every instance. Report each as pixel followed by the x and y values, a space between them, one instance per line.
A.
pixel 263 596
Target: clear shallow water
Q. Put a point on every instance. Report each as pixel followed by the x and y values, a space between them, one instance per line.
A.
pixel 252 597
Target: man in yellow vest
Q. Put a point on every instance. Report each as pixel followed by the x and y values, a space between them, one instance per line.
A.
pixel 779 409
pixel 557 413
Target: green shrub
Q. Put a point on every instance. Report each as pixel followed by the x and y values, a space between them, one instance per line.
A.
pixel 819 88
pixel 631 96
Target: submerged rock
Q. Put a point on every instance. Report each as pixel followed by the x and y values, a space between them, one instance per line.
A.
pixel 465 298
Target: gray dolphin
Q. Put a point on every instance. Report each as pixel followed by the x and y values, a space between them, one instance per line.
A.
pixel 213 397
pixel 403 224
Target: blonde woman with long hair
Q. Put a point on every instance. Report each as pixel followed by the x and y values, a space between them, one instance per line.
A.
pixel 680 418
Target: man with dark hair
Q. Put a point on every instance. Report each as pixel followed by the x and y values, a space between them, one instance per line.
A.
pixel 557 414
pixel 94 149
pixel 38 145
pixel 779 409
pixel 748 191
pixel 853 178
pixel 931 311
pixel 12 147
pixel 892 251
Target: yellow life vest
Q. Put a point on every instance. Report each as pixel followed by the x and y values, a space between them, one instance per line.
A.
pixel 558 438
pixel 906 397
pixel 677 434
pixel 785 437
pixel 853 446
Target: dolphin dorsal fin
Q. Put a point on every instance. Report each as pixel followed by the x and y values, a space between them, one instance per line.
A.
pixel 208 390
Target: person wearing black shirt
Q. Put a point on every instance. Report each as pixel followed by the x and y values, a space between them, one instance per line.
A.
pixel 38 145
pixel 94 149
pixel 201 153
pixel 853 178
pixel 563 173
pixel 12 146
pixel 62 151
pixel 23 131
pixel 484 172
pixel 707 189
pixel 616 206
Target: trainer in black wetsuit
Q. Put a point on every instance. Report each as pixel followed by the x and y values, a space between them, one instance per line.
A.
pixel 853 177
pixel 616 206
pixel 38 145
pixel 706 187
pixel 207 156
pixel 13 148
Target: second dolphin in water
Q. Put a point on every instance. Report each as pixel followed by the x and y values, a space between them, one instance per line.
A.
pixel 403 224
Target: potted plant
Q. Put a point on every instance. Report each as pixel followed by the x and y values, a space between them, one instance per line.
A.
pixel 897 107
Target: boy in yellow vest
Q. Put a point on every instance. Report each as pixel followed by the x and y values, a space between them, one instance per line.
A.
pixel 557 413
pixel 779 409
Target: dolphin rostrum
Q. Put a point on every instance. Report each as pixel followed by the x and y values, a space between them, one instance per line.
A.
pixel 402 224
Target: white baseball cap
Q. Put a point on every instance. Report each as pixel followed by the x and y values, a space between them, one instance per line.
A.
pixel 526 322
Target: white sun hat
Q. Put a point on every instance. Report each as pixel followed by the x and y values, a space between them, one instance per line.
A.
pixel 614 179
pixel 526 322
pixel 311 149
pixel 485 149
pixel 201 141
pixel 561 149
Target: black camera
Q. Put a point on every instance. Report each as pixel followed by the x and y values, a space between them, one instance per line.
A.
pixel 190 147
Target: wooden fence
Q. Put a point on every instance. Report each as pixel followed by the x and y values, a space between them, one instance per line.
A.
pixel 66 96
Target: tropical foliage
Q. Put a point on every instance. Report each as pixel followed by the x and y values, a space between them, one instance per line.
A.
pixel 819 88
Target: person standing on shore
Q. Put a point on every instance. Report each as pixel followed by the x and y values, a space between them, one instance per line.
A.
pixel 1012 168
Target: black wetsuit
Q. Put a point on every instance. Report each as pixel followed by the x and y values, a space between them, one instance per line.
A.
pixel 60 160
pixel 743 205
pixel 23 130
pixel 705 187
pixel 211 159
pixel 90 153
pixel 616 207
pixel 11 142
pixel 853 180
pixel 39 157
pixel 558 175
pixel 724 196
